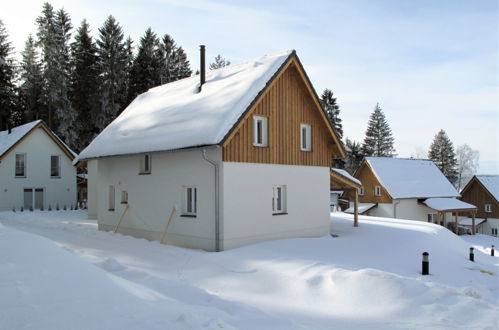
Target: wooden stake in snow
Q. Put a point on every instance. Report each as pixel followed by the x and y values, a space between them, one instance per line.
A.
pixel 121 218
pixel 426 264
pixel 168 224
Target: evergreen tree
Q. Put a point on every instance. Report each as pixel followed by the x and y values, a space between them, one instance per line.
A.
pixel 113 65
pixel 173 61
pixel 354 156
pixel 442 154
pixel 145 71
pixel 7 77
pixel 84 85
pixel 220 62
pixel 332 111
pixel 378 141
pixel 182 67
pixel 31 103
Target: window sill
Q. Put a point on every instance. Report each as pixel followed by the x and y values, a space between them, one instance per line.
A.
pixel 20 177
pixel 281 213
pixel 55 177
pixel 261 145
pixel 110 210
pixel 124 203
pixel 144 173
pixel 306 150
pixel 188 216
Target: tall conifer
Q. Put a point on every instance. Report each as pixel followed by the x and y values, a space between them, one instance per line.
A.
pixel 332 111
pixel 379 140
pixel 7 76
pixel 442 154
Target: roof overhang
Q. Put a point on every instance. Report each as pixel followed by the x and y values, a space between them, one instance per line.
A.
pixel 362 208
pixel 339 181
pixel 449 205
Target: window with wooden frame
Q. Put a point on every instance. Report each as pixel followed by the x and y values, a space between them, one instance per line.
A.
pixel 111 199
pixel 145 164
pixel 55 166
pixel 361 191
pixel 377 191
pixel 20 166
pixel 306 137
pixel 260 131
pixel 190 198
pixel 279 199
pixel 488 208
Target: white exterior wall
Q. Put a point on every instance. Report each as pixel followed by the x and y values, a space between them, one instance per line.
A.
pixel 406 209
pixel 38 147
pixel 247 202
pixel 92 188
pixel 489 224
pixel 152 197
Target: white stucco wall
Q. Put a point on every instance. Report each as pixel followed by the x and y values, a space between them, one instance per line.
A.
pixel 152 197
pixel 247 202
pixel 406 209
pixel 38 147
pixel 92 188
pixel 489 224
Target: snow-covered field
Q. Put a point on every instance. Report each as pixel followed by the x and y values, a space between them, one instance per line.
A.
pixel 365 278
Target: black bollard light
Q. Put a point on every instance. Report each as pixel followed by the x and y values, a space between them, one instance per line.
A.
pixel 492 251
pixel 472 256
pixel 426 264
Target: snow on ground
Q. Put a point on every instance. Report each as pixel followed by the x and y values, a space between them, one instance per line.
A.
pixel 364 278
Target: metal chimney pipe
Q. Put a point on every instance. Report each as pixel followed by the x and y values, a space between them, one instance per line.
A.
pixel 202 68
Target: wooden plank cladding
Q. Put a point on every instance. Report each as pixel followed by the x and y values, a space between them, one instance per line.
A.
pixel 287 103
pixel 369 181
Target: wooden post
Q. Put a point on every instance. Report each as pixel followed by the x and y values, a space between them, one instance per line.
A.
pixel 473 223
pixel 356 209
pixel 456 223
pixel 121 218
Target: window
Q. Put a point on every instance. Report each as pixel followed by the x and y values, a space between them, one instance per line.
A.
pixel 20 165
pixel 306 137
pixel 145 164
pixel 55 167
pixel 361 191
pixel 190 201
pixel 377 191
pixel 432 218
pixel 279 200
pixel 111 198
pixel 124 197
pixel 260 127
pixel 488 208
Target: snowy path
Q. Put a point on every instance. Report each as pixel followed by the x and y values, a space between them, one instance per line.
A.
pixel 368 277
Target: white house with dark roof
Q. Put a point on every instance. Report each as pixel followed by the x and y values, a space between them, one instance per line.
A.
pixel 36 170
pixel 238 155
pixel 412 189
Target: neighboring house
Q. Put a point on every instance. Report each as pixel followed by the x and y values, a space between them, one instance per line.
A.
pixel 483 191
pixel 226 158
pixel 408 189
pixel 35 169
pixel 341 181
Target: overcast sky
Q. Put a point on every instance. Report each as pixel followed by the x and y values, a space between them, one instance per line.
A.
pixel 431 65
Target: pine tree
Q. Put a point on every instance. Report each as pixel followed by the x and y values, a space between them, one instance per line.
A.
pixel 113 65
pixel 442 154
pixel 220 62
pixel 354 156
pixel 31 104
pixel 7 77
pixel 332 111
pixel 84 85
pixel 167 59
pixel 378 141
pixel 145 71
pixel 182 67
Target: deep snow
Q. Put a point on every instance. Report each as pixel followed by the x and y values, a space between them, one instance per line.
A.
pixel 365 278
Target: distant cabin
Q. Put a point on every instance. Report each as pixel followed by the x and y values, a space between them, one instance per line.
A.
pixel 235 156
pixel 36 170
pixel 483 191
pixel 413 189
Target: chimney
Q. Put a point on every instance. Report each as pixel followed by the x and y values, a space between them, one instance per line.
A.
pixel 202 68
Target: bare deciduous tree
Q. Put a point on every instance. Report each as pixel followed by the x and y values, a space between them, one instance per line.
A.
pixel 467 164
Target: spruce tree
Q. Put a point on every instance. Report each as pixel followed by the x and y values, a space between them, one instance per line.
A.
pixel 220 62
pixel 7 77
pixel 167 59
pixel 442 154
pixel 113 65
pixel 354 156
pixel 332 111
pixel 182 67
pixel 378 141
pixel 84 85
pixel 31 103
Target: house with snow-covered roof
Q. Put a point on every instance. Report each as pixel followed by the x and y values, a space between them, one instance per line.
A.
pixel 483 191
pixel 412 189
pixel 230 157
pixel 36 170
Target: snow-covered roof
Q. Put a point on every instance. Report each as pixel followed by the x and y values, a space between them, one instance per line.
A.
pixel 491 183
pixel 346 175
pixel 8 140
pixel 176 115
pixel 448 204
pixel 469 221
pixel 362 208
pixel 411 178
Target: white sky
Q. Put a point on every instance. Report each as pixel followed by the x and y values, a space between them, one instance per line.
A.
pixel 430 64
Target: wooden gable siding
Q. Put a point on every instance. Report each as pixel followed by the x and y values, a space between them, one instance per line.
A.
pixel 287 103
pixel 476 194
pixel 366 175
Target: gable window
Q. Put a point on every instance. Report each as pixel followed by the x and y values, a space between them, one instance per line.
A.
pixel 260 131
pixel 20 165
pixel 361 191
pixel 55 166
pixel 111 198
pixel 377 191
pixel 145 164
pixel 279 199
pixel 190 201
pixel 306 137
pixel 488 208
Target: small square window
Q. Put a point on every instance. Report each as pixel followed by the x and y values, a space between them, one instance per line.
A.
pixel 145 164
pixel 361 191
pixel 20 165
pixel 124 197
pixel 55 166
pixel 260 131
pixel 306 137
pixel 190 201
pixel 488 208
pixel 377 191
pixel 279 199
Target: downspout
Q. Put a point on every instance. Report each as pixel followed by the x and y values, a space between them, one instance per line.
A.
pixel 395 203
pixel 217 200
